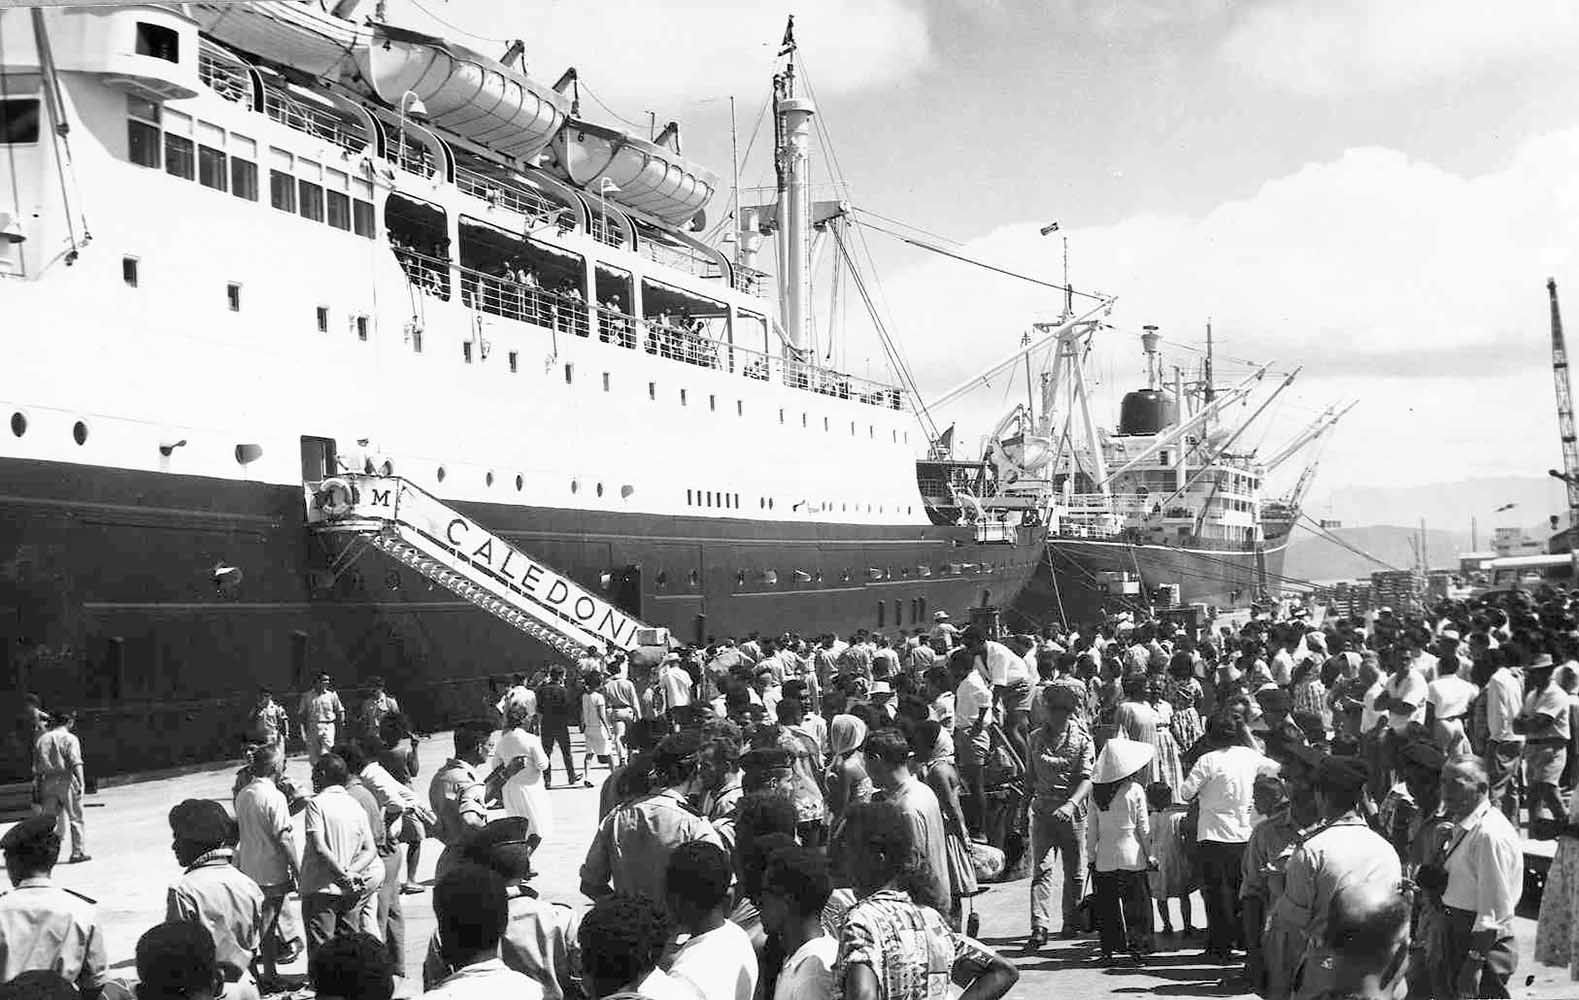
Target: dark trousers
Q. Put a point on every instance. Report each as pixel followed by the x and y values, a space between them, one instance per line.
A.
pixel 1122 904
pixel 327 915
pixel 557 731
pixel 1221 874
pixel 1498 966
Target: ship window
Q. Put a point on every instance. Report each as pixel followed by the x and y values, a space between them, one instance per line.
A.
pixel 652 390
pixel 441 474
pixel 323 319
pixel 770 503
pixel 740 407
pixel 282 191
pixel 211 168
pixel 338 210
pixel 233 296
pixel 178 156
pixel 142 143
pixel 825 423
pixel 605 381
pixel 688 498
pixel 362 219
pixel 488 479
pixel 683 398
pixel 361 328
pixel 575 486
pixel 882 607
pixel 781 414
pixel 466 352
pixel 19 423
pixel 416 339
pixel 129 271
pixel 570 374
pixel 712 402
pixel 311 201
pixel 158 41
pixel 243 179
pixel 896 437
pixel 79 432
pixel 19 121
pixel 600 489
pixel 852 428
pixel 803 419
pixel 520 483
pixel 515 359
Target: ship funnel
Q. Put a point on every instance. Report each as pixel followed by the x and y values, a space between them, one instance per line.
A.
pixel 1148 340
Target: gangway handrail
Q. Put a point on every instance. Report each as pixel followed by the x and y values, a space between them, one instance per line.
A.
pixel 403 520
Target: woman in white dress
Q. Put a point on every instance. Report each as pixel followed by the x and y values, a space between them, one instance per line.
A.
pixel 595 725
pixel 520 754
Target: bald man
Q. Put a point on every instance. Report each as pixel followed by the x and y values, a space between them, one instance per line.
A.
pixel 1485 878
pixel 1368 938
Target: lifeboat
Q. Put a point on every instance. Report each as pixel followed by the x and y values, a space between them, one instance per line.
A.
pixel 464 92
pixel 647 176
pixel 286 32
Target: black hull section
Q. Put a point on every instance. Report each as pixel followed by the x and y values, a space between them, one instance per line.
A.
pixel 109 601
pixel 1067 585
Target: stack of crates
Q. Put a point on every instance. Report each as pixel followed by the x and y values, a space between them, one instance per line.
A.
pixel 1400 590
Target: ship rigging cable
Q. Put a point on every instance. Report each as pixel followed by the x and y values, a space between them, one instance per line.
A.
pixel 1314 525
pixel 923 245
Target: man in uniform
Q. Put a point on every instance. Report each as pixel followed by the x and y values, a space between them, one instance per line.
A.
pixel 378 706
pixel 320 712
pixel 57 770
pixel 457 795
pixel 44 927
pixel 268 724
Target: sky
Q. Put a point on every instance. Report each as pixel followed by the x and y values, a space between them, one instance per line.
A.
pixel 1373 192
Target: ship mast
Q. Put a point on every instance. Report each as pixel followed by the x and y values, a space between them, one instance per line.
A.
pixel 792 162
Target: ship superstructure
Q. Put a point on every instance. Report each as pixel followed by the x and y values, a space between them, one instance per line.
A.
pixel 248 249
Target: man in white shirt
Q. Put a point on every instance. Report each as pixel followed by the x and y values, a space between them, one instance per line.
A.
pixel 1447 703
pixel 341 870
pixel 1224 780
pixel 1504 745
pixel 266 853
pixel 716 957
pixel 472 907
pixel 1011 684
pixel 795 889
pixel 972 714
pixel 1485 878
pixel 1283 662
pixel 674 684
pixel 622 938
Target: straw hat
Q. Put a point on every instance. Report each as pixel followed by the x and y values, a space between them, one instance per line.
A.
pixel 1121 758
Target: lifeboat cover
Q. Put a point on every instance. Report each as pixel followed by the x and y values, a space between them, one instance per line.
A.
pixel 651 178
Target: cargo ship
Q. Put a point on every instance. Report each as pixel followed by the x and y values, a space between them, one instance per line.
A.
pixel 246 247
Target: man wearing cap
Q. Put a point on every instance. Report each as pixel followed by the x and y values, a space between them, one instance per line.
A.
pixel 212 891
pixel 1058 777
pixel 943 631
pixel 674 685
pixel 631 848
pixel 268 724
pixel 44 926
pixel 375 708
pixel 266 853
pixel 57 771
pixel 1485 878
pixel 321 713
pixel 1342 852
pixel 540 939
pixel 1546 726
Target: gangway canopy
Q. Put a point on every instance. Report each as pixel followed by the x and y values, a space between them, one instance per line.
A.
pixel 416 528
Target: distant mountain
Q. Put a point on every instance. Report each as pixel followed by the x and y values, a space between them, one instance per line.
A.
pixel 1449 506
pixel 1316 558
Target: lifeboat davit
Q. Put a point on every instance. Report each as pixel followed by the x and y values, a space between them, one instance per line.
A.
pixel 647 176
pixel 467 93
pixel 287 32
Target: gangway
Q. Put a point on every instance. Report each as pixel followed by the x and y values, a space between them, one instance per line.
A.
pixel 415 528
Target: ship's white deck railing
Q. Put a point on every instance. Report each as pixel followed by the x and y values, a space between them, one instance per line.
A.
pixel 289 110
pixel 570 314
pixel 225 75
pixel 1122 504
pixel 514 197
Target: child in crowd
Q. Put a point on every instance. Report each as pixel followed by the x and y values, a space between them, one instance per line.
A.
pixel 1174 876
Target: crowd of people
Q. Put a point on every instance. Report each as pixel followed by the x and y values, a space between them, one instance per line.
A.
pixel 809 818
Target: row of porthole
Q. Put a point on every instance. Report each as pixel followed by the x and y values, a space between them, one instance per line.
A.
pixel 79 430
pixel 770 577
pixel 442 473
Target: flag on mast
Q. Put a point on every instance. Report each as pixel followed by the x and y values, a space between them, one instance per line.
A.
pixel 788 44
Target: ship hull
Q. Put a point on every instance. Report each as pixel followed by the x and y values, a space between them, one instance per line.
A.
pixel 119 597
pixel 1068 585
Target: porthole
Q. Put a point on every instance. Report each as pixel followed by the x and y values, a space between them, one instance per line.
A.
pixel 575 486
pixel 770 503
pixel 19 423
pixel 79 432
pixel 520 483
pixel 442 473
pixel 488 478
pixel 600 489
pixel 762 503
pixel 627 491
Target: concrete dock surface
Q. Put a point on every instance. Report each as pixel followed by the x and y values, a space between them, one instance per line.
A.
pixel 128 837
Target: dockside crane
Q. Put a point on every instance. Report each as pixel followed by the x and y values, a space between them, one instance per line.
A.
pixel 1565 417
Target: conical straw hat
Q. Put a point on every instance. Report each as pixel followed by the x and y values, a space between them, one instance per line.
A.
pixel 1121 758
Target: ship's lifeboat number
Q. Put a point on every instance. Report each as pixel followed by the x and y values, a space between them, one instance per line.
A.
pixel 336 497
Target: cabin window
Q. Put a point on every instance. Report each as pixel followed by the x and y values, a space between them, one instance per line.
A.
pixel 606 382
pixel 311 200
pixel 652 390
pixel 361 327
pixel 323 319
pixel 282 191
pixel 233 297
pixel 712 402
pixel 515 360
pixel 243 179
pixel 158 41
pixel 338 210
pixel 362 219
pixel 211 168
pixel 466 352
pixel 570 374
pixel 129 271
pixel 178 160
pixel 142 133
pixel 19 121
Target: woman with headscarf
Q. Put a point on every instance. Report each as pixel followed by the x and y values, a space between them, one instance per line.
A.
pixel 933 763
pixel 520 755
pixel 1118 841
pixel 848 782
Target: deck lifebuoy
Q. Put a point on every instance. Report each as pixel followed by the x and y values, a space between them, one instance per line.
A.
pixel 335 497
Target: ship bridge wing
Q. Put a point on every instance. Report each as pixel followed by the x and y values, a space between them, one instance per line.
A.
pixel 418 529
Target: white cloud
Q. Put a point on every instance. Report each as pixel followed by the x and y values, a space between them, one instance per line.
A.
pixel 1418 291
pixel 1348 47
pixel 669 57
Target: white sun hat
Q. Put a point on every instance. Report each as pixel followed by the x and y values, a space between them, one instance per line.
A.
pixel 1121 758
